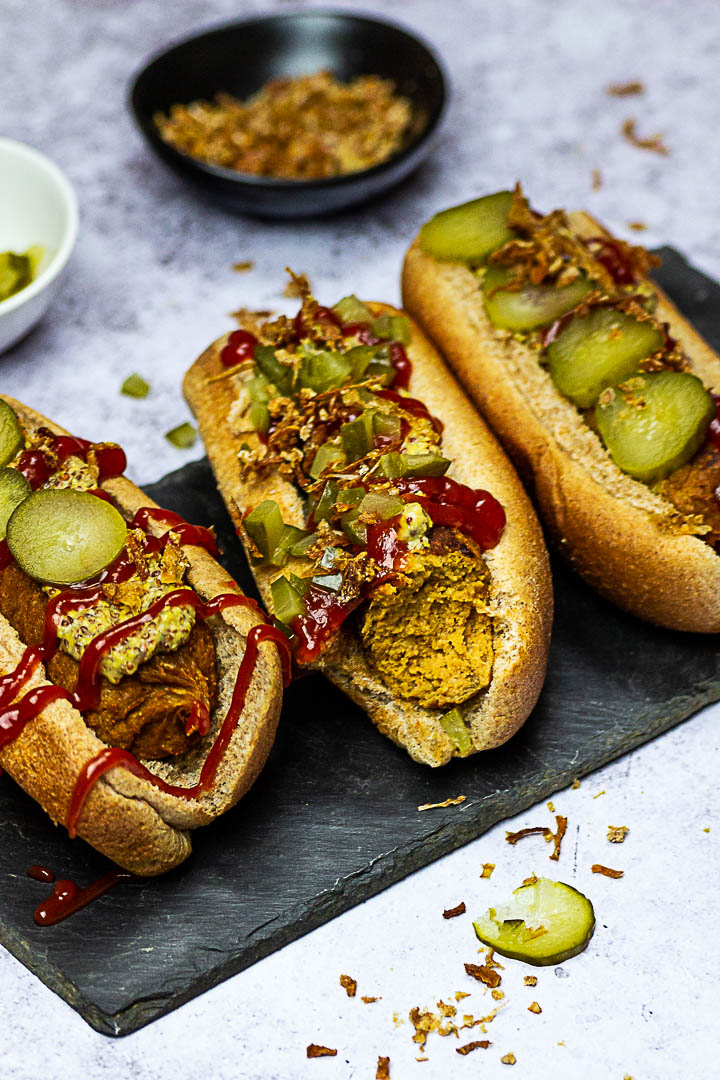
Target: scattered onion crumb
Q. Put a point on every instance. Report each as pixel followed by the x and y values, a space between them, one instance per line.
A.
pixel 452 913
pixel 576 782
pixel 530 980
pixel 439 805
pixel 597 796
pixel 509 1059
pixel 479 1044
pixel 532 880
pixel 460 994
pixel 349 985
pixel 650 142
pixel 369 1001
pixel 383 1069
pixel 296 287
pixel 597 868
pixel 597 183
pixel 616 833
pixel 497 994
pixel 487 869
pixel 315 1051
pixel 244 266
pixel 534 1008
pixel 637 226
pixel 626 89
pixel 484 974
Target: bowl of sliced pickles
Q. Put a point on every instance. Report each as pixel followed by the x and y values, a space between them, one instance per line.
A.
pixel 38 229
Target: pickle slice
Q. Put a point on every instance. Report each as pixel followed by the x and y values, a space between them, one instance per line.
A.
pixel 530 307
pixel 11 439
pixel 546 922
pixel 13 489
pixel 654 422
pixel 468 233
pixel 599 350
pixel 63 536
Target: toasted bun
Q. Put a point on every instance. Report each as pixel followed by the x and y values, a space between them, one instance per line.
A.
pixel 125 817
pixel 625 540
pixel 521 588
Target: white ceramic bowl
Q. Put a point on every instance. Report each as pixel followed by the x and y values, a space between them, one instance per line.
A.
pixel 37 206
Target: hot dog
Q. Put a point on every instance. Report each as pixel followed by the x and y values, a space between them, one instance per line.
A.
pixel 387 530
pixel 599 389
pixel 139 689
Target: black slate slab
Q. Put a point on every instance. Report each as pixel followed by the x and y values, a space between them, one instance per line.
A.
pixel 333 819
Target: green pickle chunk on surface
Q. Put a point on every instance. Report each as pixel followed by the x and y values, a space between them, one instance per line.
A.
pixel 531 306
pixel 654 422
pixel 599 350
pixel 62 536
pixel 11 439
pixel 470 232
pixel 544 923
pixel 13 489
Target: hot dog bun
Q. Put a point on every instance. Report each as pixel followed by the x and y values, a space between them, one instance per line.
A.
pixel 141 828
pixel 623 538
pixel 521 587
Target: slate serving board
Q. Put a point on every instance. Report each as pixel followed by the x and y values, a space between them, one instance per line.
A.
pixel 333 819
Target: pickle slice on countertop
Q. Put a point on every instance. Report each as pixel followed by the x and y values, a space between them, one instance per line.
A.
pixel 11 439
pixel 654 422
pixel 531 306
pixel 600 349
pixel 13 489
pixel 468 233
pixel 63 536
pixel 544 923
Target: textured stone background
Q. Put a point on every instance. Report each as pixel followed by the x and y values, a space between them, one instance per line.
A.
pixel 151 284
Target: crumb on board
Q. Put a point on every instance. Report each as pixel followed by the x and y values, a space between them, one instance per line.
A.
pixel 626 89
pixel 487 869
pixel 576 782
pixel 243 266
pixel 535 830
pixel 250 320
pixel 557 837
pixel 532 880
pixel 453 912
pixel 534 1008
pixel 349 985
pixel 706 829
pixel 370 1000
pixel 497 994
pixel 616 833
pixel 598 868
pixel 484 974
pixel 530 980
pixel 637 226
pixel 551 807
pixel 542 830
pixel 460 994
pixel 509 1059
pixel 599 793
pixel 596 180
pixel 439 805
pixel 650 142
pixel 490 960
pixel 315 1051
pixel 479 1044
pixel 383 1069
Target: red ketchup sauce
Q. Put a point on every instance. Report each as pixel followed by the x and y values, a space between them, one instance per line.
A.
pixel 413 406
pixel 611 256
pixel 476 513
pixel 187 533
pixel 37 469
pixel 67 897
pixel 41 873
pixel 325 614
pixel 240 346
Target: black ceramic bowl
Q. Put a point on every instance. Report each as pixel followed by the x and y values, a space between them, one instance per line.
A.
pixel 240 57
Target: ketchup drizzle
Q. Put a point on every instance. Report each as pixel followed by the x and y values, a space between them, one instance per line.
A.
pixel 41 873
pixel 67 897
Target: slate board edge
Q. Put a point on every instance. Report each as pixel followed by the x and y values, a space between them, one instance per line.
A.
pixel 377 876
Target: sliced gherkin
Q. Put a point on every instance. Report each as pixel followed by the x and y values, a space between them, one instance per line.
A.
pixel 598 350
pixel 13 489
pixel 531 306
pixel 545 922
pixel 11 439
pixel 654 422
pixel 470 232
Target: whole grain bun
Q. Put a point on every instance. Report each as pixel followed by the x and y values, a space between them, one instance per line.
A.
pixel 125 817
pixel 624 539
pixel 520 578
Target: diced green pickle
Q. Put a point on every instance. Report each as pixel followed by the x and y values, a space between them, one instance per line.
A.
pixel 264 525
pixel 15 273
pixel 530 307
pixel 382 505
pixel 327 457
pixel 324 506
pixel 426 465
pixel 352 310
pixel 259 416
pixel 287 602
pixel 456 729
pixel 63 536
pixel 654 422
pixel 300 548
pixel 11 439
pixel 470 232
pixel 325 371
pixel 183 436
pixel 13 489
pixel 546 922
pixel 333 582
pixel 135 386
pixel 360 356
pixel 599 350
pixel 392 328
pixel 289 536
pixel 387 424
pixel 392 465
pixel 355 530
pixel 357 436
pixel 280 375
